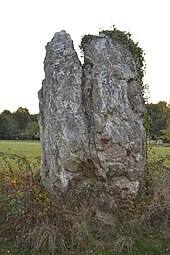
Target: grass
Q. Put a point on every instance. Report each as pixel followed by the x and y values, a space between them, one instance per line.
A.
pixel 144 246
pixel 163 151
pixel 29 149
pixel 21 151
pixel 32 149
pixel 27 205
pixel 6 249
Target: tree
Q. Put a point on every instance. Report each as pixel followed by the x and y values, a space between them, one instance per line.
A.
pixel 22 117
pixel 19 125
pixel 8 125
pixel 166 134
pixel 159 116
pixel 33 130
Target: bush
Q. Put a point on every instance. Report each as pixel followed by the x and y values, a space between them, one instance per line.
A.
pixel 32 220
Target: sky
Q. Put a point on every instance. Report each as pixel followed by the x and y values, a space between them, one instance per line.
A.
pixel 27 25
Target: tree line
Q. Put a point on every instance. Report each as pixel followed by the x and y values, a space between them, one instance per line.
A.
pixel 19 125
pixel 22 125
pixel 158 121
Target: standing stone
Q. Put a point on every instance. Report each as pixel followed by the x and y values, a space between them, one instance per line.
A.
pixel 61 117
pixel 91 122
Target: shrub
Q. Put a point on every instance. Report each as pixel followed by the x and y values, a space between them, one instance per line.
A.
pixel 32 220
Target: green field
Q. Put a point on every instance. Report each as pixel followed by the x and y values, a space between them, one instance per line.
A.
pixel 29 149
pixel 20 152
pixel 32 149
pixel 160 151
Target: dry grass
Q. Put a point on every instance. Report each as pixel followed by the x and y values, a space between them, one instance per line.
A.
pixel 123 243
pixel 43 237
pixel 29 216
pixel 157 204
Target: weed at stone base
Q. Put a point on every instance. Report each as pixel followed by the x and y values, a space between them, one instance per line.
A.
pixel 30 219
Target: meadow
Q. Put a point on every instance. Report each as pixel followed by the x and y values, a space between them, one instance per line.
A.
pixel 32 150
pixel 31 224
pixel 29 149
pixel 162 151
pixel 16 153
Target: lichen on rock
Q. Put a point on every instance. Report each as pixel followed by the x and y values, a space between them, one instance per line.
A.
pixel 91 121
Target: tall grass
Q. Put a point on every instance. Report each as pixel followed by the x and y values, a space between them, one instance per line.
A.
pixel 32 221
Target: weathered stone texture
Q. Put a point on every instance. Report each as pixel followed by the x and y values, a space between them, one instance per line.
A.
pixel 91 121
pixel 61 116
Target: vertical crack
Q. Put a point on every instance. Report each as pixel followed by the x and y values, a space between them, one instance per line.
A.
pixel 87 102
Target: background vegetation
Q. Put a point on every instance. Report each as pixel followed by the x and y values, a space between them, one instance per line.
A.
pixel 159 121
pixel 31 222
pixel 19 125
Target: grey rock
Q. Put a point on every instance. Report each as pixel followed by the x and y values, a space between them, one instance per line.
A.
pixel 61 116
pixel 91 121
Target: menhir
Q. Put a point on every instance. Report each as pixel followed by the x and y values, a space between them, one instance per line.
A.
pixel 91 122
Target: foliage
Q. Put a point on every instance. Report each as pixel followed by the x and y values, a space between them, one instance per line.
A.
pixel 30 219
pixel 23 199
pixel 8 125
pixel 124 38
pixel 22 117
pixel 85 40
pixel 18 125
pixel 166 134
pixel 159 120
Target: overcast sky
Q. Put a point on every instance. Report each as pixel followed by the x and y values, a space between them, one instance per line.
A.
pixel 27 25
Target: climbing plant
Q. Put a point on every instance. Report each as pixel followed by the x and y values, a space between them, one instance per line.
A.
pixel 124 38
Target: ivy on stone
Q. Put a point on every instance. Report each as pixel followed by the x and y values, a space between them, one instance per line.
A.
pixel 124 38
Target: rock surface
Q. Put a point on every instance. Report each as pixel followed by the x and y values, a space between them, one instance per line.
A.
pixel 91 121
